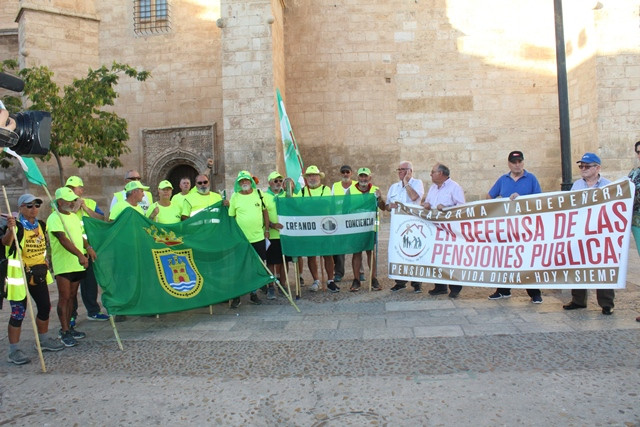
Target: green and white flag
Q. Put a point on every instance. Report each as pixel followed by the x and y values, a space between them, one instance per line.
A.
pixel 292 160
pixel 327 225
pixel 29 167
pixel 145 267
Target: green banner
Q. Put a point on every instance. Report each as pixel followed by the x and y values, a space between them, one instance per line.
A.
pixel 148 268
pixel 327 225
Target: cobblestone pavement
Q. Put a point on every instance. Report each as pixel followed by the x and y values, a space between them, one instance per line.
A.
pixel 366 358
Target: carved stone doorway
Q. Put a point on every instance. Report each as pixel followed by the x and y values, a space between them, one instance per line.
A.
pixel 180 171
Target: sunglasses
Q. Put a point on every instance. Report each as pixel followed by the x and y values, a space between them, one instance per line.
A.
pixel 347 172
pixel 586 166
pixel 202 182
pixel 134 178
pixel 637 152
pixel 32 205
pixel 278 180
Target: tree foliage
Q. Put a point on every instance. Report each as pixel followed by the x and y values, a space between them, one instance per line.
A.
pixel 82 128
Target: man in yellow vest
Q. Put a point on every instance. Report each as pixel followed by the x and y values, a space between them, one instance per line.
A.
pixel 364 186
pixel 315 188
pixel 199 197
pixel 88 285
pixel 144 203
pixel 341 188
pixel 32 240
pixel 134 192
pixel 70 253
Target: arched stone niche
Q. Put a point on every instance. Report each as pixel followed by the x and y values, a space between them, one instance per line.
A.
pixel 168 148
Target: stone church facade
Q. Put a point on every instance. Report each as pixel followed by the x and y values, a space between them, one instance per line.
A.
pixel 365 83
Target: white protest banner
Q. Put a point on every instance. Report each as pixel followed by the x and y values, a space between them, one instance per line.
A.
pixel 577 239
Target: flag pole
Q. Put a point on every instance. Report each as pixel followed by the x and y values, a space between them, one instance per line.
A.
pixel 115 332
pixel 280 286
pixel 286 273
pixel 24 282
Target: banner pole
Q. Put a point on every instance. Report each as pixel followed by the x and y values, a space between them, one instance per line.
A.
pixel 281 288
pixel 115 332
pixel 24 282
pixel 374 259
pixel 286 272
pixel 297 271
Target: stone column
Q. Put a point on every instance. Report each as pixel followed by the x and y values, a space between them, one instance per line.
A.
pixel 248 88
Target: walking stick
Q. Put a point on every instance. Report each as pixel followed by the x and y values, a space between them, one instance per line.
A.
pixel 26 289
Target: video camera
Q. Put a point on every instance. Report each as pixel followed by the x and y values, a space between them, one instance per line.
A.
pixel 32 136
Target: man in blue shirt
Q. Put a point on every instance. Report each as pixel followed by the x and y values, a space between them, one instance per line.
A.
pixel 518 182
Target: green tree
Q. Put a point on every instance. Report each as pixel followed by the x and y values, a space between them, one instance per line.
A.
pixel 81 128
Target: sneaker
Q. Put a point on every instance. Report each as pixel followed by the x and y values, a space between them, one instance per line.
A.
pixel 315 286
pixel 75 334
pixel 498 295
pixel 49 344
pixel 536 299
pixel 417 289
pixel 332 287
pixel 253 299
pixel 271 293
pixel 607 310
pixel 361 278
pixel 72 322
pixel 397 287
pixel 375 285
pixel 355 285
pixel 436 291
pixel 235 303
pixel 68 340
pixel 337 278
pixel 101 317
pixel 17 357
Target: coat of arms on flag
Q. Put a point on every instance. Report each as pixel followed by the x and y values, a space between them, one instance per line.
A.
pixel 177 272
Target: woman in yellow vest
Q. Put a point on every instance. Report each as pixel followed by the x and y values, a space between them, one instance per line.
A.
pixel 32 239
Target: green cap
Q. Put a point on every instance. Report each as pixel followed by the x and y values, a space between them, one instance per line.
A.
pixel 134 185
pixel 165 184
pixel 65 193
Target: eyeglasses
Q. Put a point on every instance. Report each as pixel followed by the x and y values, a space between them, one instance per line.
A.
pixel 278 180
pixel 202 182
pixel 134 178
pixel 586 166
pixel 32 205
pixel 402 169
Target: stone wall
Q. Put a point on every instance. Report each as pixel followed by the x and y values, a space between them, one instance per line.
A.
pixel 365 83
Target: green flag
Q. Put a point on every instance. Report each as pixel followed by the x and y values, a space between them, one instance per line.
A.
pixel 148 268
pixel 292 160
pixel 29 167
pixel 327 225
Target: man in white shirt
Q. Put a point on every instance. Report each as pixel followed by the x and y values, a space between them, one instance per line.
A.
pixel 443 193
pixel 408 191
pixel 589 166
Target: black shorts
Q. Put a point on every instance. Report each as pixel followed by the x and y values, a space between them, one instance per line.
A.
pixel 274 253
pixel 74 276
pixel 260 247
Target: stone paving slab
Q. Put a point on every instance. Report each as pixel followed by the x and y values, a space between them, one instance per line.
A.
pixel 371 358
